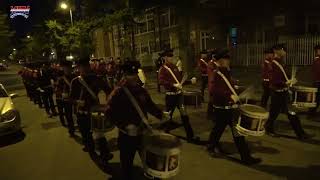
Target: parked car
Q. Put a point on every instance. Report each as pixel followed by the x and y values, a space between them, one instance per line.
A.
pixel 10 121
pixel 3 65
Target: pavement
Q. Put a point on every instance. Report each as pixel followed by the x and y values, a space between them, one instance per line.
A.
pixel 45 151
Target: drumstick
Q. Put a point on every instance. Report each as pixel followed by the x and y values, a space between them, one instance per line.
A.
pixel 184 78
pixel 246 93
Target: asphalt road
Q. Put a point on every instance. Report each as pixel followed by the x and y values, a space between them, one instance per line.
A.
pixel 45 151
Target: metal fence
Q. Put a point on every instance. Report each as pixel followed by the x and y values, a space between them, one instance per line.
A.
pixel 299 51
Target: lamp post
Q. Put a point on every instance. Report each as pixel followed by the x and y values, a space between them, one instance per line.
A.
pixel 64 6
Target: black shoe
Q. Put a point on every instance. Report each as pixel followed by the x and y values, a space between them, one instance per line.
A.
pixel 305 136
pixel 251 161
pixel 195 139
pixel 214 153
pixel 272 133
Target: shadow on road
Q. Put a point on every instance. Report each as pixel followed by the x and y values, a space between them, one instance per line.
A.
pixel 255 147
pixel 51 125
pixel 12 139
pixel 291 173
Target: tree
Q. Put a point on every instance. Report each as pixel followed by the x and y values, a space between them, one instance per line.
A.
pixel 5 36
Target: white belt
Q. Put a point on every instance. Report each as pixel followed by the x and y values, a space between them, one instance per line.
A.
pixel 266 80
pixel 173 93
pixel 131 130
pixel 83 112
pixel 281 90
pixel 235 106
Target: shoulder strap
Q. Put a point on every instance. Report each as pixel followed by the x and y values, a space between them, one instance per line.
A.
pixel 84 84
pixel 172 74
pixel 66 81
pixel 204 62
pixel 282 70
pixel 228 83
pixel 137 107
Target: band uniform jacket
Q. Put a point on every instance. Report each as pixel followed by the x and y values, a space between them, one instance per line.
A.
pixel 277 78
pixel 212 66
pixel 62 86
pixel 220 90
pixel 266 70
pixel 121 110
pixel 166 79
pixel 203 67
pixel 79 92
pixel 316 70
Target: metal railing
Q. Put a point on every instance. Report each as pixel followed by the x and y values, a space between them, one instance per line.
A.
pixel 299 51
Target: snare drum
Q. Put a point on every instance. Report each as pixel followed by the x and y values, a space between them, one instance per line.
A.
pixel 161 155
pixel 304 97
pixel 99 121
pixel 192 98
pixel 252 120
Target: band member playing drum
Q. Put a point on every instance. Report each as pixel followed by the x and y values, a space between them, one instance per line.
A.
pixel 126 116
pixel 224 103
pixel 203 67
pixel 84 95
pixel 279 84
pixel 170 78
pixel 316 76
pixel 62 94
pixel 266 72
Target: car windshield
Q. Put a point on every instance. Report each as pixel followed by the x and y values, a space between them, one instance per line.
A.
pixel 3 92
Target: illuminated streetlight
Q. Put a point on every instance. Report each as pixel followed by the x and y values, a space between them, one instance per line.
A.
pixel 63 5
pixel 14 49
pixel 28 37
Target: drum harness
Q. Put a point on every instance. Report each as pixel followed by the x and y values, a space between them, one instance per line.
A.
pixel 284 74
pixel 85 85
pixel 176 79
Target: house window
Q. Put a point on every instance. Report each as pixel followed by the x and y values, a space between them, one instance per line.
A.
pixel 152 46
pixel 150 22
pixel 204 39
pixel 173 17
pixel 137 48
pixel 144 48
pixel 164 18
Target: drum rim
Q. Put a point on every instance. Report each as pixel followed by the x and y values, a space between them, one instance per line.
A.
pixel 149 136
pixel 305 89
pixel 257 115
pixel 246 132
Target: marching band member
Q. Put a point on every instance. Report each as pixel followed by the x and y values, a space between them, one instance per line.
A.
pixel 316 76
pixel 212 66
pixel 170 78
pixel 224 103
pixel 63 93
pixel 279 84
pixel 266 72
pixel 203 67
pixel 126 115
pixel 84 95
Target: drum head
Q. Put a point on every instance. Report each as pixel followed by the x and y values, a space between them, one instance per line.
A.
pixel 163 141
pixel 254 110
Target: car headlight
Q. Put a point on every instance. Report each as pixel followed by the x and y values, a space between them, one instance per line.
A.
pixel 9 115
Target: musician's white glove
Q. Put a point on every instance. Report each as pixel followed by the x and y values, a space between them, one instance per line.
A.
pixel 235 98
pixel 177 85
pixel 165 116
pixel 292 81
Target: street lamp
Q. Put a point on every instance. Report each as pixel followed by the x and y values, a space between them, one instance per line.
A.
pixel 14 49
pixel 64 6
pixel 28 37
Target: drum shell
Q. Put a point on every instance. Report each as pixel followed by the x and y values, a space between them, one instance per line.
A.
pixel 251 123
pixel 192 98
pixel 100 122
pixel 304 97
pixel 157 160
